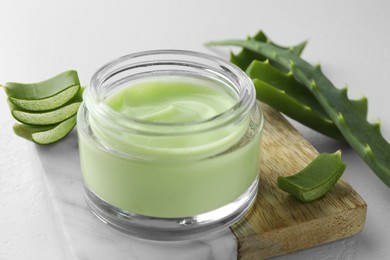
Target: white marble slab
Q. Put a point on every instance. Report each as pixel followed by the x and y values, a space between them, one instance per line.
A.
pixel 86 237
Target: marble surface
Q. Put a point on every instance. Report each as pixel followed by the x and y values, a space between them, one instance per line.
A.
pixel 86 237
pixel 41 38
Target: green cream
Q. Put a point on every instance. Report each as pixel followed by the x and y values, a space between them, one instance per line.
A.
pixel 171 101
pixel 164 175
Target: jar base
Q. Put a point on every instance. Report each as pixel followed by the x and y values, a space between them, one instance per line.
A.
pixel 172 229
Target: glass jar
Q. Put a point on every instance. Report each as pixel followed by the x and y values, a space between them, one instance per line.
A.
pixel 169 180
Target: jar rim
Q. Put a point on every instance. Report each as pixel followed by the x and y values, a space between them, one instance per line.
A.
pixel 246 94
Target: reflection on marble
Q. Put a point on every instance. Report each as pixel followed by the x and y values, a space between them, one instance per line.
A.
pixel 86 237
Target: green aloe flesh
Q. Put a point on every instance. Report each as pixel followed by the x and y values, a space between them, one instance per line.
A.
pixel 348 115
pixel 287 95
pixel 44 95
pixel 46 103
pixel 46 110
pixel 45 134
pixel 316 179
pixel 47 117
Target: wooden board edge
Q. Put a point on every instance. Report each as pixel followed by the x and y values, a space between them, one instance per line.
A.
pixel 305 235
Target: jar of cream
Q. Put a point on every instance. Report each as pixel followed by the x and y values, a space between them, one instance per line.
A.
pixel 169 144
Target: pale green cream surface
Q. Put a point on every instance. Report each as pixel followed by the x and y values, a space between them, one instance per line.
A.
pixel 171 101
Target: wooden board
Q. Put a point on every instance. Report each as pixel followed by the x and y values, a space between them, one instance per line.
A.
pixel 280 224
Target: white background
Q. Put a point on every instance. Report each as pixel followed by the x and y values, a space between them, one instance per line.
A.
pixel 39 39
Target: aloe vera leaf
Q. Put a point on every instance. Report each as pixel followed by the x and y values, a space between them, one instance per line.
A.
pixel 43 89
pixel 44 95
pixel 285 82
pixel 47 103
pixel 284 93
pixel 365 138
pixel 294 100
pixel 316 179
pixel 47 117
pixel 244 58
pixel 291 107
pixel 45 134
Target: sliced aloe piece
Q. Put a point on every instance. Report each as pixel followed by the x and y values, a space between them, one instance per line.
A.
pixel 45 134
pixel 47 117
pixel 46 103
pixel 316 179
pixel 44 95
pixel 43 89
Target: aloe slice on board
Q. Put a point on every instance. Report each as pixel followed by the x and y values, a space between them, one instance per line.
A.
pixel 45 134
pixel 316 179
pixel 47 117
pixel 45 95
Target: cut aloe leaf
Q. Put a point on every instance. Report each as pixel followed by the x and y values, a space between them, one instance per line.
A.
pixel 47 117
pixel 316 179
pixel 47 109
pixel 46 103
pixel 43 89
pixel 44 95
pixel 45 134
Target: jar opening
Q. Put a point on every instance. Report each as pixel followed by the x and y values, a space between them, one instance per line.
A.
pixel 138 67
